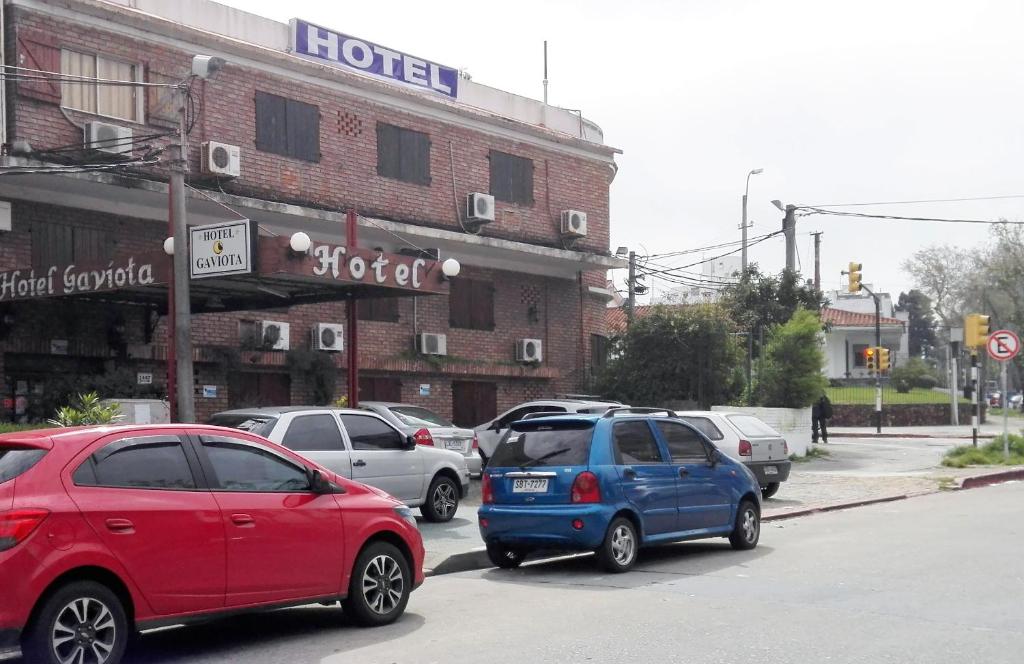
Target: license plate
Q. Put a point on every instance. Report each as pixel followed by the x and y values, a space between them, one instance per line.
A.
pixel 453 445
pixel 771 470
pixel 529 486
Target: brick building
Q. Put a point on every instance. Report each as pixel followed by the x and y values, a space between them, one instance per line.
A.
pixel 315 139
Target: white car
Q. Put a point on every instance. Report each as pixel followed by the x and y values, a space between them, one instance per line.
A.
pixel 363 446
pixel 429 428
pixel 746 438
pixel 489 433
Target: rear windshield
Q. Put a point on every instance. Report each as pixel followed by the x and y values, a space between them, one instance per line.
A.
pixel 16 462
pixel 414 416
pixel 704 425
pixel 544 445
pixel 753 427
pixel 260 425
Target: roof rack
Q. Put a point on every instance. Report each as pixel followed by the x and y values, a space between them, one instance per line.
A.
pixel 543 413
pixel 626 410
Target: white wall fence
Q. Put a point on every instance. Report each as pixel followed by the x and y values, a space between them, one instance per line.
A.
pixel 793 423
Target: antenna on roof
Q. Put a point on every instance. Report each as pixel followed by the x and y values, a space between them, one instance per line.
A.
pixel 545 72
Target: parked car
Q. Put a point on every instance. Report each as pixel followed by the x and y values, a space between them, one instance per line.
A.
pixel 429 428
pixel 490 433
pixel 748 439
pixel 108 530
pixel 365 447
pixel 612 483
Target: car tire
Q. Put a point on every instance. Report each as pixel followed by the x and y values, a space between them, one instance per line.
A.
pixel 747 530
pixel 84 616
pixel 770 490
pixel 505 557
pixel 380 586
pixel 442 500
pixel 621 546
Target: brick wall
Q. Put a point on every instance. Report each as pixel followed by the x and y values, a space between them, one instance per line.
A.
pixel 900 415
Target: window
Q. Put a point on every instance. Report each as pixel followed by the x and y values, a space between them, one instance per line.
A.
pixel 684 444
pixel 378 308
pixel 380 388
pixel 471 304
pixel 564 444
pixel 511 178
pixel 241 466
pixel 414 416
pixel 520 413
pixel 314 433
pixel 63 244
pixel 17 461
pixel 473 402
pixel 634 443
pixel 147 462
pixel 598 352
pixel 115 101
pixel 753 427
pixel 858 355
pixel 705 426
pixel 403 154
pixel 370 433
pixel 287 127
pixel 257 424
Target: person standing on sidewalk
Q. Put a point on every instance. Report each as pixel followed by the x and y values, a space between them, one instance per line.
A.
pixel 821 413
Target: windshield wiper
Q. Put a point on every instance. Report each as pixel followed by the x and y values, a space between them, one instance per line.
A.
pixel 545 457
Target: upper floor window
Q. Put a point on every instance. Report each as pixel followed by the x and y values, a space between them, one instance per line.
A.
pixel 123 102
pixel 471 304
pixel 511 178
pixel 403 154
pixel 287 127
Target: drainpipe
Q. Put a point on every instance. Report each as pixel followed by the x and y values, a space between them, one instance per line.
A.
pixel 353 320
pixel 3 87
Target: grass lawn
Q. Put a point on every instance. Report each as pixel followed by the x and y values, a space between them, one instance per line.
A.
pixel 990 454
pixel 860 395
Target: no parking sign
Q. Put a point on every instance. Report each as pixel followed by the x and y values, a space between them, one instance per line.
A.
pixel 1003 345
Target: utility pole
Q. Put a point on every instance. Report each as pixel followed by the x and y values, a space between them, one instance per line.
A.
pixel 817 261
pixel 744 224
pixel 185 388
pixel 956 337
pixel 545 72
pixel 789 228
pixel 631 288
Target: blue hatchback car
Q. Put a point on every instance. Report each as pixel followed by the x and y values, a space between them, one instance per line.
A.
pixel 612 483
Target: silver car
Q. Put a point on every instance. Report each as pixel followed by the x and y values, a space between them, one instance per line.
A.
pixel 429 428
pixel 363 446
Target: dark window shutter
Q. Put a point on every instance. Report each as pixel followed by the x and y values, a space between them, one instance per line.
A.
pixel 459 303
pixel 482 302
pixel 52 244
pixel 44 57
pixel 303 130
pixel 499 176
pixel 486 402
pixel 378 309
pixel 414 153
pixel 523 185
pixel 271 123
pixel 473 403
pixel 91 245
pixel 388 151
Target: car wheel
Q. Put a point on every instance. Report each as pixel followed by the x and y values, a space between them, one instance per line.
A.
pixel 380 586
pixel 83 622
pixel 442 500
pixel 621 545
pixel 747 530
pixel 770 490
pixel 505 557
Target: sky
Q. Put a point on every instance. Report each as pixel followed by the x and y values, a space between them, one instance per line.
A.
pixel 879 100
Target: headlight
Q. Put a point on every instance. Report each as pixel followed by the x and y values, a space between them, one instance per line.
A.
pixel 407 515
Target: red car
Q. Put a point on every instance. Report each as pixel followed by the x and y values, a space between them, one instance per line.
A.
pixel 109 530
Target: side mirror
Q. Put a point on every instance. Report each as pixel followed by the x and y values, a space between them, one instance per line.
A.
pixel 714 458
pixel 495 427
pixel 410 443
pixel 318 484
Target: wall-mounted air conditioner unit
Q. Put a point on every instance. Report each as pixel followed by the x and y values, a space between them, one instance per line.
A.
pixel 433 344
pixel 108 138
pixel 479 208
pixel 221 159
pixel 574 223
pixel 328 336
pixel 275 335
pixel 529 350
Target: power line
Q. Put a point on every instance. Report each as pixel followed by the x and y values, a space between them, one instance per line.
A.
pixel 709 247
pixel 890 217
pixel 933 200
pixel 728 253
pixel 49 76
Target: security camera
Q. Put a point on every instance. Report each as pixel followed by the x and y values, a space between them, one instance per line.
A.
pixel 205 66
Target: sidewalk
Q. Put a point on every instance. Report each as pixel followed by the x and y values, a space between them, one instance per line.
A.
pixel 949 432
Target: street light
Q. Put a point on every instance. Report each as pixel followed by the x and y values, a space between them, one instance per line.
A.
pixel 746 190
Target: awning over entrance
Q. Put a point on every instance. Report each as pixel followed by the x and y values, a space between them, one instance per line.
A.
pixel 279 277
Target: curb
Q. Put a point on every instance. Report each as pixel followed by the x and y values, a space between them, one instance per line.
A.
pixel 992 478
pixel 910 435
pixel 779 516
pixel 461 562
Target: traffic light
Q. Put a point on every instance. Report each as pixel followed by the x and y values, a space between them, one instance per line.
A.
pixel 883 359
pixel 975 330
pixel 871 359
pixel 854 277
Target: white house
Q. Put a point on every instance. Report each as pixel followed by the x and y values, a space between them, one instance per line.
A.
pixel 851 320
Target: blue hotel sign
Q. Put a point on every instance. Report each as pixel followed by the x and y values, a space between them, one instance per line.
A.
pixel 312 41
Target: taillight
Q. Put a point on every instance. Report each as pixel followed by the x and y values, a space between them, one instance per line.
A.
pixel 423 437
pixel 476 442
pixel 785 448
pixel 585 488
pixel 486 494
pixel 16 525
pixel 745 449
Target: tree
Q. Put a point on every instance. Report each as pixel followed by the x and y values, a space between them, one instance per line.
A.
pixel 675 353
pixel 921 326
pixel 791 376
pixel 764 301
pixel 939 272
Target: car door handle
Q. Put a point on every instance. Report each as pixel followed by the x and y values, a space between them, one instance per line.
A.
pixel 120 526
pixel 358 463
pixel 629 473
pixel 242 520
pixel 683 472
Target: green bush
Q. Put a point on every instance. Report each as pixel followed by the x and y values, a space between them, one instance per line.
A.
pixel 791 377
pixel 990 454
pixel 915 373
pixel 86 410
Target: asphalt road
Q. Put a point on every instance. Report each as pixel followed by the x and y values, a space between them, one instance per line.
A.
pixel 932 579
